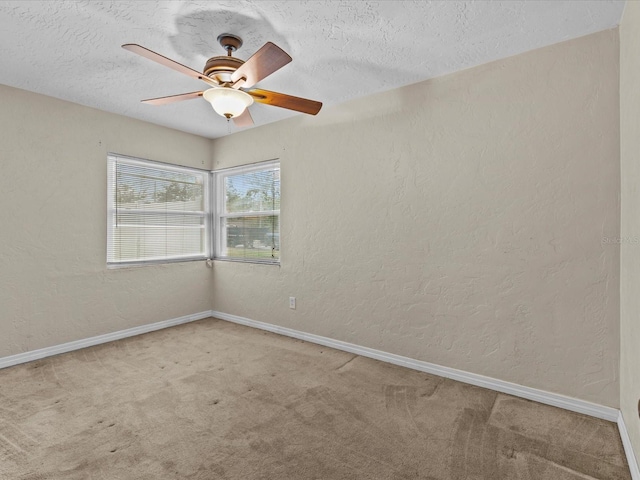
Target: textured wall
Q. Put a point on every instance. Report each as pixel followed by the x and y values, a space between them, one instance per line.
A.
pixel 630 220
pixel 458 221
pixel 54 284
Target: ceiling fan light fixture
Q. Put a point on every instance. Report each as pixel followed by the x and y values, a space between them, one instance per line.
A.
pixel 228 102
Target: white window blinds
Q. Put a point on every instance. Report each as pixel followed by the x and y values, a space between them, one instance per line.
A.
pixel 156 212
pixel 248 213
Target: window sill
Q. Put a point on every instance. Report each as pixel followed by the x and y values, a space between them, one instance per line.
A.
pixel 119 266
pixel 251 261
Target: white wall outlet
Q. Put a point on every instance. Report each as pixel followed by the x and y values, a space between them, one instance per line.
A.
pixel 292 302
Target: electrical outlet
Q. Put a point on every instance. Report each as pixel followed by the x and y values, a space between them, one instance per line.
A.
pixel 292 302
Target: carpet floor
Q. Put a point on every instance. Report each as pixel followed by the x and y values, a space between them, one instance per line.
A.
pixel 214 400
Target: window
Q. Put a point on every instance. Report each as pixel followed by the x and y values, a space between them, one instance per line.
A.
pixel 156 212
pixel 161 213
pixel 247 219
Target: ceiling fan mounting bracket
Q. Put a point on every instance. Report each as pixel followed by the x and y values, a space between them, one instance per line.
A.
pixel 230 42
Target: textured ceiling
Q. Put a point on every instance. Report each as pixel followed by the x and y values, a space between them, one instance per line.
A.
pixel 340 49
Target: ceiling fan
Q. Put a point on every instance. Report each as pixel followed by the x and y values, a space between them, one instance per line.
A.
pixel 231 80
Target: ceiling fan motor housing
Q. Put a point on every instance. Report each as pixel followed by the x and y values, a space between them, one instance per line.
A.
pixel 221 68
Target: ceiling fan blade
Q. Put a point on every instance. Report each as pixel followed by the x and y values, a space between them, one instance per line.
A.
pixel 172 98
pixel 167 62
pixel 260 65
pixel 282 100
pixel 244 120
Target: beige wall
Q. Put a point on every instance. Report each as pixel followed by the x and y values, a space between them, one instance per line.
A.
pixel 54 284
pixel 630 220
pixel 458 221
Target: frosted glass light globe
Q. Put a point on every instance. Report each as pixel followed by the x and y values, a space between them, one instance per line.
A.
pixel 228 102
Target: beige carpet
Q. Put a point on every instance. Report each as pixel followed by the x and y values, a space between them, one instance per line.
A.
pixel 213 400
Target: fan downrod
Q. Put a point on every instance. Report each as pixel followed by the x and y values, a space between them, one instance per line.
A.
pixel 229 42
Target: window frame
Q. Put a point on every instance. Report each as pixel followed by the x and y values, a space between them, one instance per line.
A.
pixel 219 214
pixel 112 160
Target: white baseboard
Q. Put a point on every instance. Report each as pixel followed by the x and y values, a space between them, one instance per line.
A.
pixel 628 448
pixel 542 396
pixel 89 342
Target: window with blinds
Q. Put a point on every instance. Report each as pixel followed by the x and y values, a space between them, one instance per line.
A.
pixel 156 212
pixel 247 216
